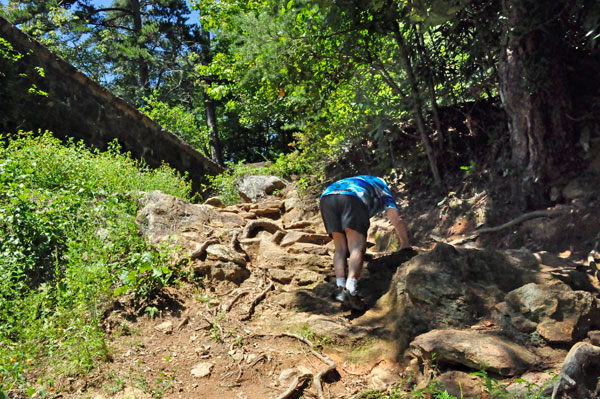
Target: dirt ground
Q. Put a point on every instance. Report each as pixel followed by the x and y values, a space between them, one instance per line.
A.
pixel 216 340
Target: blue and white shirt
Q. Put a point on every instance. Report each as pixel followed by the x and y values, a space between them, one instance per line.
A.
pixel 371 190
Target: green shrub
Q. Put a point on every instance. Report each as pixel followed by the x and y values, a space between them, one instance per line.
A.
pixel 68 243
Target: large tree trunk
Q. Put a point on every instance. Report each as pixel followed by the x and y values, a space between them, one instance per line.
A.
pixel 533 89
pixel 216 153
pixel 417 106
pixel 137 28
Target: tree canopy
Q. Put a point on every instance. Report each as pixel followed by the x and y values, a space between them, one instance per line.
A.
pixel 383 80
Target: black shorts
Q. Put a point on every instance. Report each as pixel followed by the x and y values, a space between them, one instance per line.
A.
pixel 340 212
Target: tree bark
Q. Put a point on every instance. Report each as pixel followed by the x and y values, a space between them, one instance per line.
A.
pixel 534 93
pixel 417 106
pixel 214 143
pixel 137 28
pixel 432 95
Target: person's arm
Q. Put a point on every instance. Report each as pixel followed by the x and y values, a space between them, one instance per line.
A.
pixel 396 220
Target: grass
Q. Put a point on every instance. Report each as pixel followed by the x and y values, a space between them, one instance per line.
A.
pixel 68 244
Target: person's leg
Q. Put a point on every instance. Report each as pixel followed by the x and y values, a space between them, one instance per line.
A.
pixel 357 244
pixel 340 255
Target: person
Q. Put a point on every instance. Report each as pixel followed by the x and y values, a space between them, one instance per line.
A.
pixel 346 209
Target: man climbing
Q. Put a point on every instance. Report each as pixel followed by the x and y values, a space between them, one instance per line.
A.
pixel 346 208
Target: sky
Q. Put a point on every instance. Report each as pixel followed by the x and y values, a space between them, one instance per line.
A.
pixel 105 3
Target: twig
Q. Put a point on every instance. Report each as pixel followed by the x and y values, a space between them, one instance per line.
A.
pixel 330 363
pixel 294 385
pixel 256 301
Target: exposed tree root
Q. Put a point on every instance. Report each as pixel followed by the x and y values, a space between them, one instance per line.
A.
pixel 298 381
pixel 234 299
pixel 517 220
pixel 330 363
pixel 256 301
pixel 249 230
pixel 200 251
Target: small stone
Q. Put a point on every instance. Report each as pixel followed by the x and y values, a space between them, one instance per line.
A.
pixel 381 378
pixel 165 327
pixel 594 337
pixel 202 369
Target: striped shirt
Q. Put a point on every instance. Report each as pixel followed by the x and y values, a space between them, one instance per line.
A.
pixel 371 190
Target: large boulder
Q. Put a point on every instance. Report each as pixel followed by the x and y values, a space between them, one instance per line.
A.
pixel 555 311
pixel 255 187
pixel 163 217
pixel 449 287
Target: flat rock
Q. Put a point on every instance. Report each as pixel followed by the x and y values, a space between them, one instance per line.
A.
pixel 474 349
pixel 202 369
pixel 281 276
pixel 293 237
pixel 224 253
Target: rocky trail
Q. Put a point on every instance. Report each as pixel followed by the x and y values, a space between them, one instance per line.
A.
pixel 256 319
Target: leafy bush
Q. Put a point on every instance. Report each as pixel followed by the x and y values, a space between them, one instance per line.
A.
pixel 68 241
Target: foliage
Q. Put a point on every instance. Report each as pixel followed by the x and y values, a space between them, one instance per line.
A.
pixel 68 238
pixel 178 120
pixel 305 169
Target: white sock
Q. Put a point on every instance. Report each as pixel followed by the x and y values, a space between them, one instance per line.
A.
pixel 351 284
pixel 340 281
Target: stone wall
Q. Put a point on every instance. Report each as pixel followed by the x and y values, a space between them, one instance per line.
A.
pixel 78 107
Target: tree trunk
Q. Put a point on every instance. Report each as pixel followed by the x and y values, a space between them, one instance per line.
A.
pixel 417 108
pixel 216 153
pixel 444 138
pixel 137 28
pixel 535 97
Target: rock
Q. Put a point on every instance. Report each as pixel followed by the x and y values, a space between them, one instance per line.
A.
pixel 580 372
pixel 307 277
pixel 255 187
pixel 304 248
pixel 531 382
pixel 461 385
pixel 229 271
pixel 163 216
pixel 594 337
pixel 474 349
pixel 202 369
pixel 555 311
pixel 281 276
pixel 216 202
pixel 165 327
pixel 225 254
pixel 381 378
pixel 452 287
pixel 293 237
